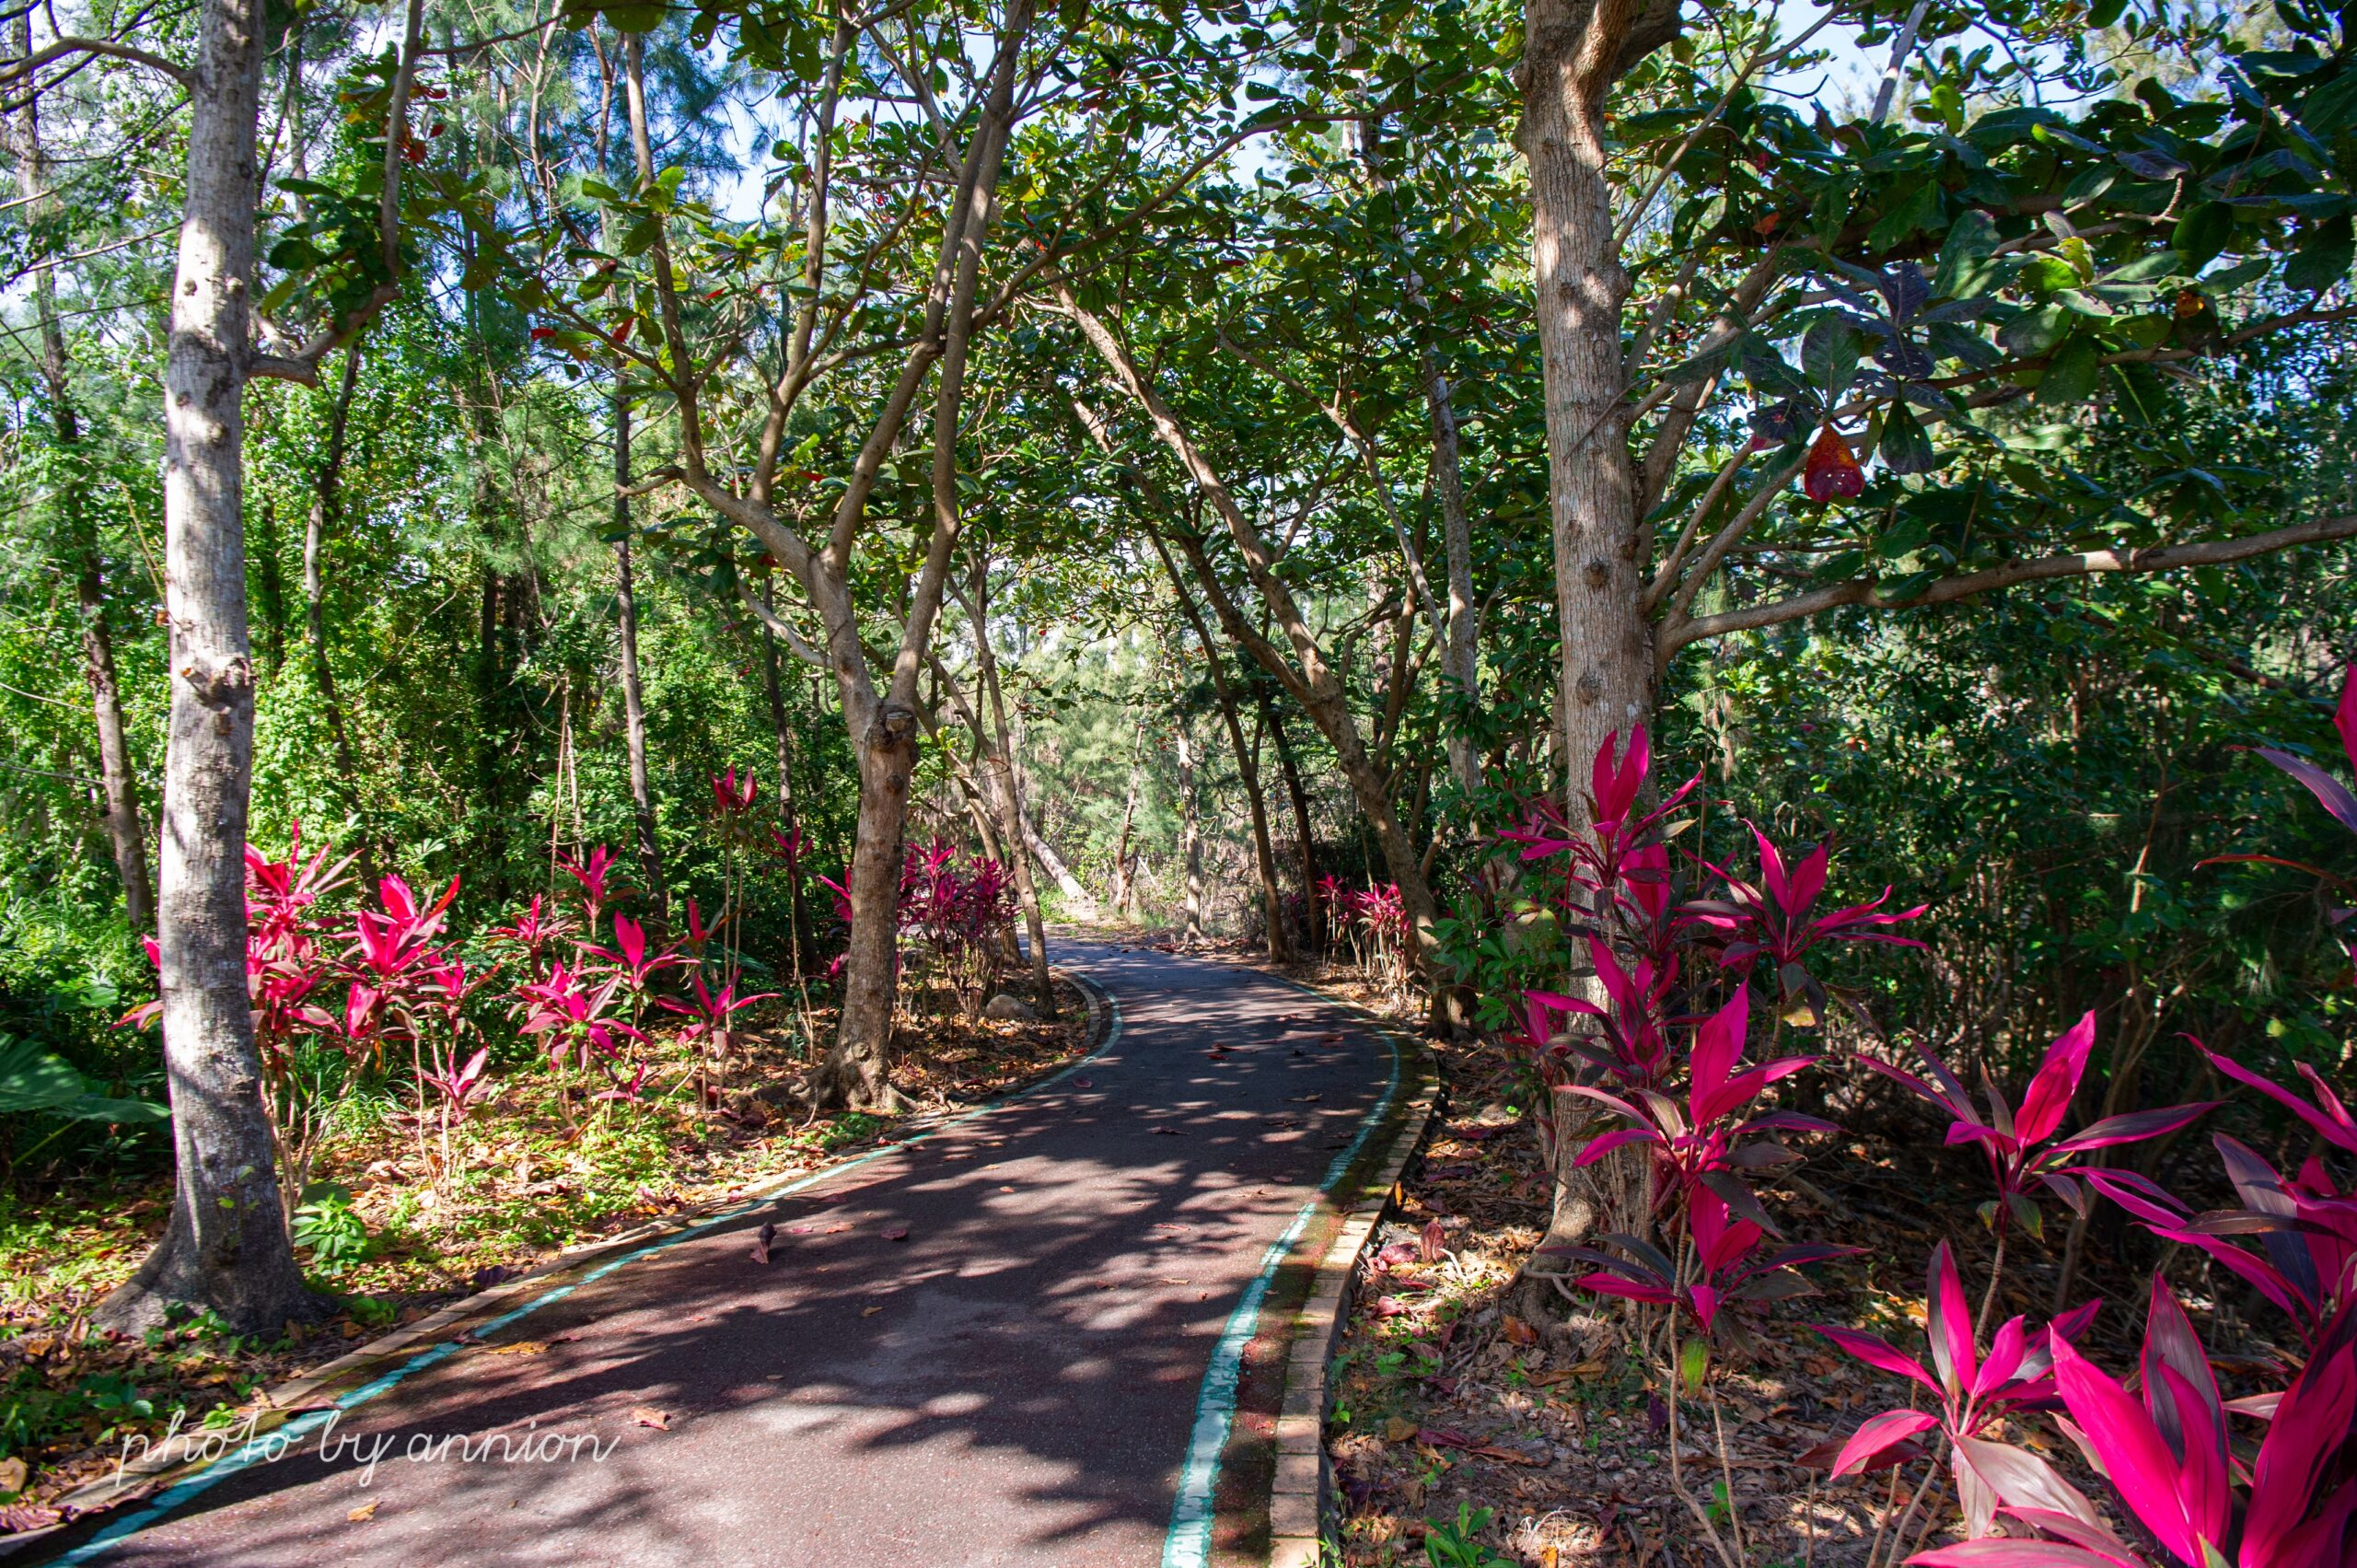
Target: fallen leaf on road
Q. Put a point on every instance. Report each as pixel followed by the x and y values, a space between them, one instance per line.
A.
pixel 521 1347
pixel 897 1233
pixel 761 1242
pixel 1520 1333
pixel 1167 1132
pixel 869 1311
pixel 366 1512
pixel 647 1416
pixel 1334 1039
pixel 1084 1083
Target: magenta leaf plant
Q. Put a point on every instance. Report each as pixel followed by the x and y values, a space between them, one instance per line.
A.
pixel 2017 1140
pixel 2167 1453
pixel 1970 1392
pixel 1776 920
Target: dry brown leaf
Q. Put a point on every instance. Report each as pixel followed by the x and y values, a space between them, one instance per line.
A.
pixel 365 1513
pixel 869 1311
pixel 646 1415
pixel 521 1347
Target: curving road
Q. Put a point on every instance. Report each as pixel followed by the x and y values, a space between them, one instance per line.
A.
pixel 1016 1380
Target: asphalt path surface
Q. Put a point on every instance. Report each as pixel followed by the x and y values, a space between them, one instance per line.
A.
pixel 987 1347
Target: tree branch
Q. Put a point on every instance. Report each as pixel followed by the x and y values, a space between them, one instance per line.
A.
pixel 1865 591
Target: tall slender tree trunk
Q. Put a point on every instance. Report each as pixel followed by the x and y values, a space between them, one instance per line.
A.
pixel 1125 878
pixel 272 584
pixel 1190 839
pixel 1573 52
pixel 641 794
pixel 1290 771
pixel 119 792
pixel 1264 859
pixel 225 1248
pixel 326 505
pixel 1008 793
pixel 1463 653
pixel 497 727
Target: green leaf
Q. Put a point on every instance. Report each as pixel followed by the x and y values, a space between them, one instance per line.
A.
pixel 2033 333
pixel 1971 239
pixel 32 1080
pixel 1919 209
pixel 2324 257
pixel 2071 378
pixel 2203 233
pixel 1906 447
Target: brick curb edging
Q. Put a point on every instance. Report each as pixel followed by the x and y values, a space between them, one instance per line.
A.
pixel 1298 1488
pixel 186 1454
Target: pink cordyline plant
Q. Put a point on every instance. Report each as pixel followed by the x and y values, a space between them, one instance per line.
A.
pixel 2167 1453
pixel 2306 1225
pixel 1620 859
pixel 711 1021
pixel 2018 1140
pixel 1776 920
pixel 590 872
pixel 1703 1143
pixel 1971 1392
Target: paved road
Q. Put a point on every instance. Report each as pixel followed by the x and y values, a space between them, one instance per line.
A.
pixel 1013 1382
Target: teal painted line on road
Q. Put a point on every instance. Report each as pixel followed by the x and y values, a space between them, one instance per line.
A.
pixel 282 1441
pixel 1189 1543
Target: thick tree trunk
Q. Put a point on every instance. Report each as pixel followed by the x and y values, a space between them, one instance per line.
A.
pixel 326 486
pixel 225 1248
pixel 856 1072
pixel 1575 48
pixel 641 794
pixel 1008 797
pixel 125 839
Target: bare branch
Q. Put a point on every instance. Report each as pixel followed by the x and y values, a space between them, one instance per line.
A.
pixel 1865 591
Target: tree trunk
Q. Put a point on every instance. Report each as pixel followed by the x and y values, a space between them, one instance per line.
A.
pixel 856 1072
pixel 1264 859
pixel 1124 881
pixel 1607 679
pixel 1083 903
pixel 1009 797
pixel 1456 535
pixel 272 587
pixel 225 1248
pixel 642 795
pixel 1290 771
pixel 326 509
pixel 120 794
pixel 1190 844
